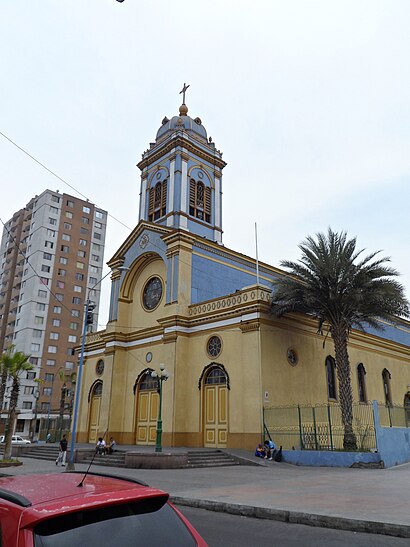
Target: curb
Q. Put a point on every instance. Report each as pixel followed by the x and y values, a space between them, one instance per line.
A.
pixel 296 517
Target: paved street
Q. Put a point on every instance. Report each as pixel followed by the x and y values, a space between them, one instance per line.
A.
pixel 352 499
pixel 223 530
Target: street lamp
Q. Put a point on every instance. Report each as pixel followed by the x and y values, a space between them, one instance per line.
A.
pixel 62 404
pixel 89 306
pixel 162 377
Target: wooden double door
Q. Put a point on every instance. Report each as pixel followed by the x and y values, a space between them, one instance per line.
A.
pixel 215 416
pixel 147 416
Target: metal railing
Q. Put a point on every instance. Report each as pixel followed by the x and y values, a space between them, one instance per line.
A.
pixel 320 427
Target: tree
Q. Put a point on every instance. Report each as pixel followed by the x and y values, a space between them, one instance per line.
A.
pixel 335 284
pixel 14 362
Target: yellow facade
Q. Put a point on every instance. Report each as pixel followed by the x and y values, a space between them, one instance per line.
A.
pixel 254 355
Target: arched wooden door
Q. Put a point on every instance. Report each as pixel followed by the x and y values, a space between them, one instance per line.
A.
pixel 95 406
pixel 215 408
pixel 147 410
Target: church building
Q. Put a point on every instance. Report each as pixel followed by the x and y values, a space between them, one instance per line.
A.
pixel 185 306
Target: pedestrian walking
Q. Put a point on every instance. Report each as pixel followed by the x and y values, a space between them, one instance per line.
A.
pixel 62 454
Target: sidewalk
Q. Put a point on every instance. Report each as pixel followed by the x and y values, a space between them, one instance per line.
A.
pixel 361 500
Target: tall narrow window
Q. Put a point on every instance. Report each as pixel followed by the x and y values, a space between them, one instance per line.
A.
pixel 157 202
pixel 386 387
pixel 361 382
pixel 199 200
pixel 331 377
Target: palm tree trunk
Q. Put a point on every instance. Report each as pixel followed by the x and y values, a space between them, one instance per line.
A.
pixel 3 381
pixel 12 418
pixel 340 336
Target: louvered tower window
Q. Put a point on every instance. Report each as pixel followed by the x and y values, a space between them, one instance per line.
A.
pixel 157 203
pixel 199 200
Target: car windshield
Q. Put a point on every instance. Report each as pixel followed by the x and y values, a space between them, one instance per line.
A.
pixel 146 523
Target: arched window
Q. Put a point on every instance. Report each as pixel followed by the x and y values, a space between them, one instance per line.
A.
pixel 97 391
pixel 331 377
pixel 407 408
pixel 157 202
pixel 215 376
pixel 199 200
pixel 386 387
pixel 361 382
pixel 148 383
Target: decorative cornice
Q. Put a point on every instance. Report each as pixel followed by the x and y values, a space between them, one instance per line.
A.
pixel 180 140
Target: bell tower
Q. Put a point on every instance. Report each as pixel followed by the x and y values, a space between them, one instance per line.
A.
pixel 181 177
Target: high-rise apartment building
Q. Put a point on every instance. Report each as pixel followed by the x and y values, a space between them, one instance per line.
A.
pixel 51 256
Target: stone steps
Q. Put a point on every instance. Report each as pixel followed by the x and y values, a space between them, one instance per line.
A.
pixel 109 460
pixel 210 458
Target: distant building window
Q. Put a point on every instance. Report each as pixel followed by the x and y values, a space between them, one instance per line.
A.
pixel 27 405
pixel 40 306
pixel 77 288
pixel 72 338
pixel 49 377
pixel 52 349
pixel 35 347
pixel 56 199
pixel 63 260
pixel 50 362
pixel 67 226
pixel 65 248
pixel 331 377
pixel 54 210
pixel 361 382
pixel 199 200
pixel 38 320
pixel 83 230
pixel 70 203
pixel 49 244
pixel 59 297
pixel 96 247
pixel 86 210
pixel 47 256
pixel 66 237
pixel 44 280
pixel 79 276
pixel 48 391
pixel 52 221
pixel 83 242
pixel 60 284
pixel 62 272
pixel 73 326
pixel 57 309
pixel 42 293
pixel 45 407
pixel 45 269
pixel 81 254
pixel 93 280
pixel 33 361
pixel 37 333
pixel 75 313
pixel 69 214
pixel 69 365
pixel 96 258
pixel 85 220
pixel 76 300
pixel 31 375
pixel 54 336
pixel 215 376
pixel 99 215
pixel 56 322
pixel 97 235
pixel 80 265
pixel 98 225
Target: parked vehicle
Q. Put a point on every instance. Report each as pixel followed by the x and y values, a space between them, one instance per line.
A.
pixel 65 509
pixel 15 439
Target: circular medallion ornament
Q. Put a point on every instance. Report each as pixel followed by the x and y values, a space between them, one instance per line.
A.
pixel 214 346
pixel 152 293
pixel 148 357
pixel 99 367
pixel 292 357
pixel 200 175
pixel 159 175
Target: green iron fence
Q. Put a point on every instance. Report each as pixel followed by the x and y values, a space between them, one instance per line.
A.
pixel 307 427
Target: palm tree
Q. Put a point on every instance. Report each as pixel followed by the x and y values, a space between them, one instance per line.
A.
pixel 335 284
pixel 14 362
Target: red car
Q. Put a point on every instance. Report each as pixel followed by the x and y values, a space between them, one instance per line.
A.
pixel 68 509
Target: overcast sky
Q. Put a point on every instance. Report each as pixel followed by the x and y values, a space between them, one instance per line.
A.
pixel 308 100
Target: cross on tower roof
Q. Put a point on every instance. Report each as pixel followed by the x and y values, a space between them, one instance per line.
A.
pixel 183 91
